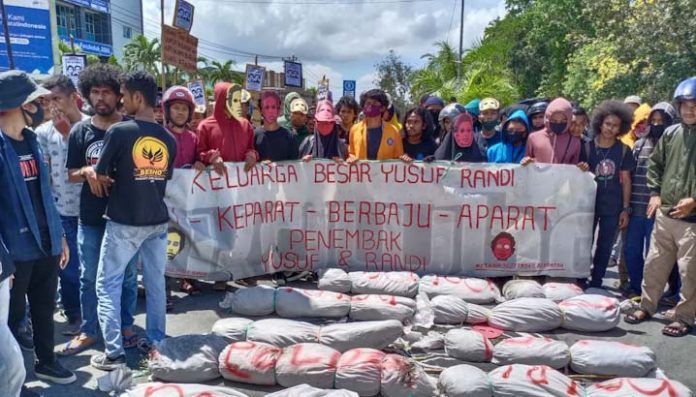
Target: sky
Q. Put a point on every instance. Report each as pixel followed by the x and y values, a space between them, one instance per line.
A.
pixel 339 39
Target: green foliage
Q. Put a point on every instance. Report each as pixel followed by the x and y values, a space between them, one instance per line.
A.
pixel 394 77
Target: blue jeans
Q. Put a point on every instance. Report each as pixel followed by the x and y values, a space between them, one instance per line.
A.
pixel 70 276
pixel 121 244
pixel 89 241
pixel 608 226
pixel 12 371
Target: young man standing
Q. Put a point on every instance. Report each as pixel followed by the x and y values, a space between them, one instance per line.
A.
pixel 672 184
pixel 135 163
pixel 53 139
pixel 372 138
pixel 273 142
pixel 29 220
pixel 100 86
pixel 489 117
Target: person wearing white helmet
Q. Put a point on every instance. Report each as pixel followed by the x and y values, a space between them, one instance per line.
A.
pixel 489 118
pixel 178 106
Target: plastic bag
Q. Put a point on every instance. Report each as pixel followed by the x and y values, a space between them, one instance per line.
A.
pixel 468 345
pixel 532 351
pixel 335 280
pixel 250 362
pixel 309 363
pixel 187 358
pixel 296 302
pixel 390 283
pixel 404 377
pixel 359 370
pixel 637 387
pixel 381 307
pixel 472 290
pixel 367 334
pixel 532 381
pixel 309 391
pixel 450 309
pixel 515 289
pixel 558 292
pixel 590 313
pixel 180 390
pixel 594 357
pixel 526 315
pixel 464 381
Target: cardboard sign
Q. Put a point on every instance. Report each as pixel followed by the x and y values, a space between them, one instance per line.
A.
pixel 73 66
pixel 293 74
pixel 254 77
pixel 197 88
pixel 478 220
pixel 183 15
pixel 179 48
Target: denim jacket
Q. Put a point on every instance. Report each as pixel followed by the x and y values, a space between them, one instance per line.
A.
pixel 18 223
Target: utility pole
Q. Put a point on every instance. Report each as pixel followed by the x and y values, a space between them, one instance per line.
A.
pixel 164 81
pixel 6 30
pixel 461 44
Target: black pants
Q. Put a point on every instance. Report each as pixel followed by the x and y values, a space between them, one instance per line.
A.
pixel 38 281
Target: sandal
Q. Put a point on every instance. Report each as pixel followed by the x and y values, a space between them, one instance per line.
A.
pixel 677 329
pixel 633 318
pixel 76 345
pixel 144 345
pixel 130 341
pixel 188 286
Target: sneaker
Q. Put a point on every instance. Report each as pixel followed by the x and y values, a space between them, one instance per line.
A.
pixel 54 372
pixel 25 341
pixel 104 363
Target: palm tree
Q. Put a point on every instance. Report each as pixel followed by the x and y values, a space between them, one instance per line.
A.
pixel 66 49
pixel 142 53
pixel 223 72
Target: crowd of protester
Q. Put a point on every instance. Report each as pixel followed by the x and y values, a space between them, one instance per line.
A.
pixel 83 201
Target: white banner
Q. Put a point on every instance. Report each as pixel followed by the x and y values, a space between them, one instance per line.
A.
pixel 478 220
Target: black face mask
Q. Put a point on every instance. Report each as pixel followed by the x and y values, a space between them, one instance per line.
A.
pixel 489 125
pixel 656 131
pixel 37 117
pixel 514 136
pixel 434 114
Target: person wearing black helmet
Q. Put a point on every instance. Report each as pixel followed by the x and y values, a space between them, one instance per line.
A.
pixel 672 184
pixel 446 118
pixel 535 114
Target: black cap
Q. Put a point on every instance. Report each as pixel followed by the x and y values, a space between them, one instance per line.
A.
pixel 17 88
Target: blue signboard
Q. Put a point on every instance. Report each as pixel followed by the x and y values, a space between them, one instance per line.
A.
pixel 91 47
pixel 30 35
pixel 99 5
pixel 349 88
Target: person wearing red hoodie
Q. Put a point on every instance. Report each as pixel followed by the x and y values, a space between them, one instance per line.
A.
pixel 554 144
pixel 227 135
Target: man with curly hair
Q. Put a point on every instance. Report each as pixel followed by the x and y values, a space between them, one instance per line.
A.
pixel 612 162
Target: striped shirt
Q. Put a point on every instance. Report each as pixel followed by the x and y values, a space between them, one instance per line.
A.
pixel 640 194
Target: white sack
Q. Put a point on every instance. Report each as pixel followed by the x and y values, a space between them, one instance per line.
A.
pixel 390 283
pixel 561 291
pixel 532 351
pixel 249 362
pixel 464 381
pixel 449 309
pixel 402 377
pixel 309 391
pixel 157 389
pixel 468 345
pixel 532 381
pixel 282 332
pixel 233 329
pixel 632 387
pixel 309 363
pixel 526 315
pixel 187 358
pixel 515 289
pixel 590 313
pixel 381 307
pixel 360 370
pixel 594 357
pixel 335 280
pixel 252 301
pixel 472 290
pixel 368 334
pixel 296 302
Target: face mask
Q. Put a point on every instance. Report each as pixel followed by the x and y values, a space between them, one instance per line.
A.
pixel 656 131
pixel 489 125
pixel 37 117
pixel 234 101
pixel 325 127
pixel 641 132
pixel 270 110
pixel 558 128
pixel 464 135
pixel 372 110
pixel 434 114
pixel 514 137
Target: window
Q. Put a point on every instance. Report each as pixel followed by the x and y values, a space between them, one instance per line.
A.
pixel 89 33
pixel 65 19
pixel 96 27
pixel 127 32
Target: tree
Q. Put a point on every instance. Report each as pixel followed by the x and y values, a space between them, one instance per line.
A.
pixel 394 77
pixel 66 49
pixel 144 54
pixel 222 71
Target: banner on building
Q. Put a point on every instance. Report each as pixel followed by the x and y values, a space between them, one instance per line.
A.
pixel 254 77
pixel 29 23
pixel 293 74
pixel 478 220
pixel 197 88
pixel 183 15
pixel 179 48
pixel 73 66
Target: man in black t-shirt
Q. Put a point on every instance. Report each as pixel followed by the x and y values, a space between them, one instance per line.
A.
pixel 100 85
pixel 135 163
pixel 273 142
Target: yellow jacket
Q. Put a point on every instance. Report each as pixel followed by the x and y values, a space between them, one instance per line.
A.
pixel 640 114
pixel 391 146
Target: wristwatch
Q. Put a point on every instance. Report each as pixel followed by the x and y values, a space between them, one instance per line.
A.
pixel 628 210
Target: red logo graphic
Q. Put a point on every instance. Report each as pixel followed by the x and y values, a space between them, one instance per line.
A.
pixel 503 246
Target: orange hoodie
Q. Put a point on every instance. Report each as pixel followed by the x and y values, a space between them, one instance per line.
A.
pixel 233 138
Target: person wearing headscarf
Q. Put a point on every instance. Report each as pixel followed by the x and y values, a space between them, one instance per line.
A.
pixel 459 144
pixel 325 142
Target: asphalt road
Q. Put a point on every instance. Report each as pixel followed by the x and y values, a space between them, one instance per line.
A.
pixel 196 314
